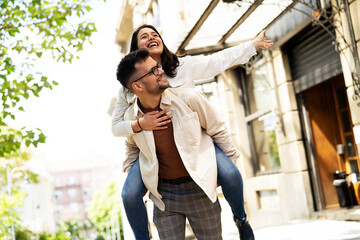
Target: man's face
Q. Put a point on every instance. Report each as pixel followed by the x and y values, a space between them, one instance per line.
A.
pixel 154 82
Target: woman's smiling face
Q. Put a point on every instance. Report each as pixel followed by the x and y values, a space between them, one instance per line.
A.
pixel 149 39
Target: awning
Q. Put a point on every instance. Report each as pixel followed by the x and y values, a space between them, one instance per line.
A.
pixel 227 23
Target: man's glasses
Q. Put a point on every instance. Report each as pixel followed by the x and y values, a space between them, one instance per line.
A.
pixel 153 70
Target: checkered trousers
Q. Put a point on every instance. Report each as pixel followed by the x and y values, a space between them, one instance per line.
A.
pixel 187 200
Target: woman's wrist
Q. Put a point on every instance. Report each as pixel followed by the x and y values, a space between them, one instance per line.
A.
pixel 138 122
pixel 256 44
pixel 135 126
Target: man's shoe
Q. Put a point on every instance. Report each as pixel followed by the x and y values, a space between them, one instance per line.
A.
pixel 245 230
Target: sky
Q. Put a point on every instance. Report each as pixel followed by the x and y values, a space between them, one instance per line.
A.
pixel 73 115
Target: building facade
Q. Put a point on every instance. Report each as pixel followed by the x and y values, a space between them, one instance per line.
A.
pixel 73 194
pixel 37 213
pixel 76 182
pixel 293 111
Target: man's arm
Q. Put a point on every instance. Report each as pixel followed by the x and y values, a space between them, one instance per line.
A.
pixel 211 122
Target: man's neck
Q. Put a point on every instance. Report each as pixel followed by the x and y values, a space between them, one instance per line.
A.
pixel 149 101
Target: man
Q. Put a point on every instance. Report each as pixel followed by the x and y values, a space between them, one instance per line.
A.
pixel 178 164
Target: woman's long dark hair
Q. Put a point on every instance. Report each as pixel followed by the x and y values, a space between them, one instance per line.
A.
pixel 169 60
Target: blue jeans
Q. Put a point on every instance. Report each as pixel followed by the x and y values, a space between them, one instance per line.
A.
pixel 133 191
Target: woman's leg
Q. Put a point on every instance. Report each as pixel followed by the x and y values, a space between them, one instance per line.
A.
pixel 231 183
pixel 232 186
pixel 132 197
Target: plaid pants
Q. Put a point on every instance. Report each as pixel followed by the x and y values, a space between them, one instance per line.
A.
pixel 187 200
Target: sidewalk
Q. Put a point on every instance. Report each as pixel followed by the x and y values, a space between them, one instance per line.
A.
pixel 340 214
pixel 311 230
pixel 332 224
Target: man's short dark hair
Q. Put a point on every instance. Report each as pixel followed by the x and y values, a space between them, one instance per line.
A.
pixel 126 67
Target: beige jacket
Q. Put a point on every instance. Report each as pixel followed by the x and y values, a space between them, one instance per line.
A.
pixel 196 125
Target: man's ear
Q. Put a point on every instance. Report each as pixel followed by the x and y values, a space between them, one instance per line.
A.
pixel 136 87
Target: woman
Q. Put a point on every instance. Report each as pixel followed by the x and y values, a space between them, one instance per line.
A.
pixel 180 72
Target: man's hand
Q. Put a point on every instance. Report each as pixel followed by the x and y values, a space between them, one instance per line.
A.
pixel 261 42
pixel 155 120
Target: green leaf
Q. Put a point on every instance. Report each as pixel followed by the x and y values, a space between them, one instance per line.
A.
pixel 42 138
pixel 27 143
pixel 9 68
pixel 29 77
pixel 13 31
pixel 47 85
pixel 60 21
pixel 39 54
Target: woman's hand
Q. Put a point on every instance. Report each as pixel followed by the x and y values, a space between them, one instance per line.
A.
pixel 155 120
pixel 261 42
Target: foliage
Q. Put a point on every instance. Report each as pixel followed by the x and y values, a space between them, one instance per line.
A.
pixel 72 228
pixel 69 230
pixel 273 149
pixel 28 29
pixel 8 205
pixel 99 237
pixel 59 235
pixel 24 234
pixel 105 205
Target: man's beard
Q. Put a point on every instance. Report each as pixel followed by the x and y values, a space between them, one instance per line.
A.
pixel 158 90
pixel 164 87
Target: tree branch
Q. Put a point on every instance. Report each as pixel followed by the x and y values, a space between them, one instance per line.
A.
pixel 22 25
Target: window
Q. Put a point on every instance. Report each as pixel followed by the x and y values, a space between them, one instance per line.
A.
pixel 59 209
pixel 74 207
pixel 58 194
pixel 268 200
pixel 85 177
pixel 72 192
pixel 260 119
pixel 71 180
pixel 87 191
pixel 87 204
pixel 58 182
pixel 210 88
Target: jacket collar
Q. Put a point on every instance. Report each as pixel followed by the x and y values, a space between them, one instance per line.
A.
pixel 165 102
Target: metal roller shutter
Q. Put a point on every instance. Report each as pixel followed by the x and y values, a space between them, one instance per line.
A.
pixel 312 57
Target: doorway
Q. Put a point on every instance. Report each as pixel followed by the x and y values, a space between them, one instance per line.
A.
pixel 332 139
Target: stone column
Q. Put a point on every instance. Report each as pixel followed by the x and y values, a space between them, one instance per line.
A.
pixel 347 60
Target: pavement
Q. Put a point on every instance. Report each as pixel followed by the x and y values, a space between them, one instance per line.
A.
pixel 317 229
pixel 332 224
